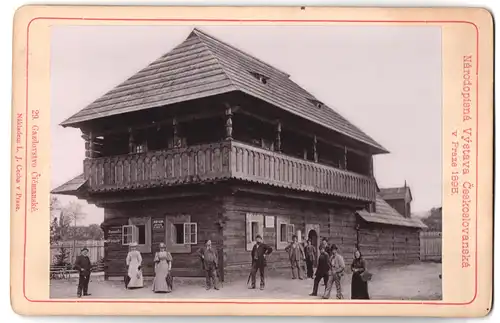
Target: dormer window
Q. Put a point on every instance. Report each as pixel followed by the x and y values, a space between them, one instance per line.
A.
pixel 317 103
pixel 262 78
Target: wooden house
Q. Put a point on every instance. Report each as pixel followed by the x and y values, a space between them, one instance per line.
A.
pixel 208 142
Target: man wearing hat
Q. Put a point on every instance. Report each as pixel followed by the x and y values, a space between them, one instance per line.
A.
pixel 259 253
pixel 337 266
pixel 208 257
pixel 83 265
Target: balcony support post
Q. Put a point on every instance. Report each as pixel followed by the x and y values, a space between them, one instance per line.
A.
pixel 315 150
pixel 345 157
pixel 90 153
pixel 278 136
pixel 176 140
pixel 229 123
pixel 371 166
pixel 131 141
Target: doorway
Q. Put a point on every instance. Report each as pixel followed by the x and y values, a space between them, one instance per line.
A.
pixel 313 237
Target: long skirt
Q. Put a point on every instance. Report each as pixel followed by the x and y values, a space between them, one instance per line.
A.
pixel 135 276
pixel 160 284
pixel 359 288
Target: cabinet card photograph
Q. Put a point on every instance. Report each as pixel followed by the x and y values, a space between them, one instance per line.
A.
pixel 252 161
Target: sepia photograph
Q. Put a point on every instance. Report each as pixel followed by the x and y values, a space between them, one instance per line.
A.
pixel 241 162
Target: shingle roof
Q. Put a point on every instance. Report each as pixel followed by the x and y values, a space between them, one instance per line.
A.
pixel 392 193
pixel 203 66
pixel 385 214
pixel 71 186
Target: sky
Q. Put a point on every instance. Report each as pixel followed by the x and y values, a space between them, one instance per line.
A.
pixel 384 79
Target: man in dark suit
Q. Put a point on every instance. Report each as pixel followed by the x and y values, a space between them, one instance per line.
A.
pixel 259 253
pixel 83 265
pixel 322 272
pixel 325 244
pixel 208 257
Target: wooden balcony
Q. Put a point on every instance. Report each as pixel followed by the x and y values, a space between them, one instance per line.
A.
pixel 222 161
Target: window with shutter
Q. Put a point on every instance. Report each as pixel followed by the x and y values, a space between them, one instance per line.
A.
pixel 141 233
pixel 254 227
pixel 127 234
pixel 180 233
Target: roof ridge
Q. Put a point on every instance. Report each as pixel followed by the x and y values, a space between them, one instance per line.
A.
pixel 213 55
pixel 197 31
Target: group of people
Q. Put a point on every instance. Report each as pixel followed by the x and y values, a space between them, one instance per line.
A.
pixel 330 268
pixel 163 281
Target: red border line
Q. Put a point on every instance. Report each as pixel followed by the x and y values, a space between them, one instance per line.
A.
pixel 437 303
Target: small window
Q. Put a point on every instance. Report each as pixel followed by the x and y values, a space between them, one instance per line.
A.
pixel 140 148
pixel 317 103
pixel 262 78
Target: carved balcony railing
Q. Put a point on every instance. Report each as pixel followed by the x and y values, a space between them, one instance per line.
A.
pixel 221 161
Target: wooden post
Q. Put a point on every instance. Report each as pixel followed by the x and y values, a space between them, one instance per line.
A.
pixel 130 141
pixel 371 167
pixel 315 149
pixel 176 141
pixel 229 123
pixel 278 136
pixel 91 153
pixel 87 144
pixel 345 157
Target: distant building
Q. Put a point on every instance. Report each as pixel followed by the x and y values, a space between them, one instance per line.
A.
pixel 208 142
pixel 399 198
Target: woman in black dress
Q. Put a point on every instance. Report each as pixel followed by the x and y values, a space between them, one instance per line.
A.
pixel 359 288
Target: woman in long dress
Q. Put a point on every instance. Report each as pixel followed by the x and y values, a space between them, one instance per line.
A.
pixel 163 265
pixel 134 263
pixel 359 287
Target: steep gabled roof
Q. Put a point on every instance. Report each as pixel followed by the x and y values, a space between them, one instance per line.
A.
pixel 204 66
pixel 385 214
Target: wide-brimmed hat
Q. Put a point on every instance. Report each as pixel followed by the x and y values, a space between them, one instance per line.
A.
pixel 84 249
pixel 133 244
pixel 162 245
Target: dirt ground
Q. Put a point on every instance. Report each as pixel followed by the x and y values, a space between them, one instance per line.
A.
pixel 407 282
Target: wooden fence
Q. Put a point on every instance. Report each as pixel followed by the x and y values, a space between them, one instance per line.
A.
pixel 431 246
pixel 96 249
